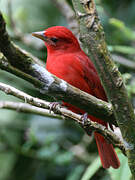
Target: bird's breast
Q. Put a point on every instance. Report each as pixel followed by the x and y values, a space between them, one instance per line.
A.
pixel 68 69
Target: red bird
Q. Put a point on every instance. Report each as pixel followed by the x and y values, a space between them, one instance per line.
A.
pixel 66 60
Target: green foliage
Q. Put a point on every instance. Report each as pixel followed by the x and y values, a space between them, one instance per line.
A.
pixel 123 172
pixel 122 49
pixel 76 173
pixel 38 148
pixel 127 33
pixel 7 161
pixel 92 169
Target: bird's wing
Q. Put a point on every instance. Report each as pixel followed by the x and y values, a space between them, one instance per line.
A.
pixel 91 77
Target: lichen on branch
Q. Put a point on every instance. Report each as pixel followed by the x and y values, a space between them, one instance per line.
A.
pixel 92 36
pixel 42 107
pixel 23 65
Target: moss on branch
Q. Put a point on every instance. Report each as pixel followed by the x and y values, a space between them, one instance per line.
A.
pixel 21 64
pixel 70 94
pixel 92 36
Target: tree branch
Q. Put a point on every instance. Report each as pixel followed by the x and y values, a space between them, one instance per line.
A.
pixel 24 66
pixel 92 35
pixel 56 89
pixel 88 126
pixel 26 108
pixel 72 95
pixel 109 135
pixel 6 66
pixel 69 14
pixel 124 61
pixel 57 111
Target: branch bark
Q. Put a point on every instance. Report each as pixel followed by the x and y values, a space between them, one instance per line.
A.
pixel 49 84
pixel 69 14
pixel 92 35
pixel 26 108
pixel 41 107
pixel 23 65
pixel 88 126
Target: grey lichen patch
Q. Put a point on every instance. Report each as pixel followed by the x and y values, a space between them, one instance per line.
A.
pixel 79 14
pixel 1 55
pixel 128 146
pixel 100 104
pixel 119 82
pixel 63 85
pixel 114 70
pixel 3 62
pixel 90 21
pixel 89 5
pixel 110 107
pixel 44 76
pixel 90 12
pixel 103 49
pixel 118 79
pixel 95 27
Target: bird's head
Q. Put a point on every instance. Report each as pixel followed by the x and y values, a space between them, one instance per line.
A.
pixel 58 38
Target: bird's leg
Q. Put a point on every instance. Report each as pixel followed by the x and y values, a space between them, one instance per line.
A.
pixel 84 118
pixel 54 106
pixel 111 126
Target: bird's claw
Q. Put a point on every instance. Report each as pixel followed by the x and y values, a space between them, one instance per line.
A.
pixel 111 126
pixel 84 118
pixel 53 106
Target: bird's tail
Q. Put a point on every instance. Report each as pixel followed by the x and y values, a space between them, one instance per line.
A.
pixel 107 153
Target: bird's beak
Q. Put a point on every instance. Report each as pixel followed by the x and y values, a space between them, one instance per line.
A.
pixel 40 35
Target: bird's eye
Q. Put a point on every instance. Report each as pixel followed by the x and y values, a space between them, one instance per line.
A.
pixel 54 39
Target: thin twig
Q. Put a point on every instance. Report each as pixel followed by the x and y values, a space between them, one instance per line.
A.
pixel 92 35
pixel 88 126
pixel 23 63
pixel 23 107
pixel 124 61
pixel 59 110
pixel 26 67
pixel 27 108
pixel 57 89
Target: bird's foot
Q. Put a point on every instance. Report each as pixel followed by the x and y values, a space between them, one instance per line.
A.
pixel 54 106
pixel 84 123
pixel 111 126
pixel 84 118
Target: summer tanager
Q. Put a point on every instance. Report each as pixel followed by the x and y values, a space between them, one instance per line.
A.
pixel 67 60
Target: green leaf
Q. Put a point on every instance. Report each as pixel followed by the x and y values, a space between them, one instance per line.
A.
pixel 127 32
pixel 7 161
pixel 122 49
pixel 48 153
pixel 76 173
pixel 92 169
pixel 64 158
pixel 123 172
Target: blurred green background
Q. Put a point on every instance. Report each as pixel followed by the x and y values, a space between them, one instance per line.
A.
pixel 39 148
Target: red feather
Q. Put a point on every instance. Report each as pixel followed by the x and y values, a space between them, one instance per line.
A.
pixel 67 61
